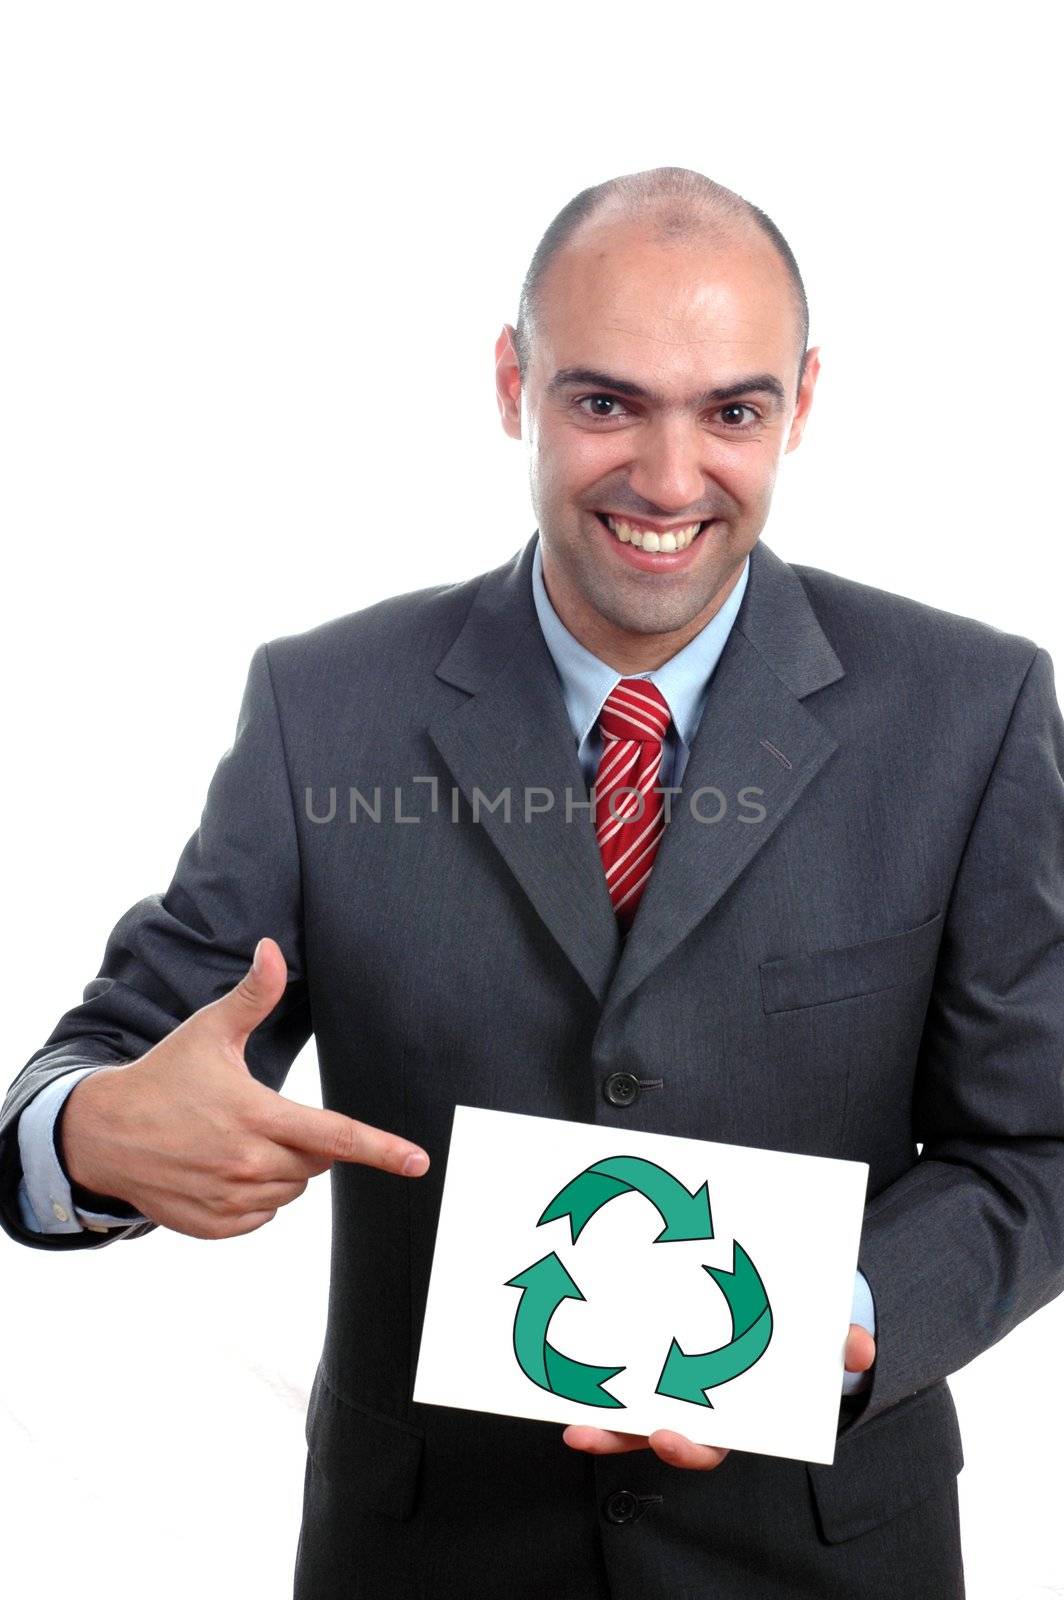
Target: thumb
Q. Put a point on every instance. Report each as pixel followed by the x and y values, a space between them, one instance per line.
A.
pixel 240 1011
pixel 860 1349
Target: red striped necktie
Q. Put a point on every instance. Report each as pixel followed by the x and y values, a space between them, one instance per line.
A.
pixel 629 815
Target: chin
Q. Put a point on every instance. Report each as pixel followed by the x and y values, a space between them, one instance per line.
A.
pixel 646 619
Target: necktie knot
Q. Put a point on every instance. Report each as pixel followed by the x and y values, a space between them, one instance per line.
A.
pixel 635 709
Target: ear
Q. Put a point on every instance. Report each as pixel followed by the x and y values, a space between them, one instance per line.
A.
pixel 508 382
pixel 805 399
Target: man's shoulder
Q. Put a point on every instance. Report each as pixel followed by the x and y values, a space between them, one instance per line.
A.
pixel 880 626
pixel 414 628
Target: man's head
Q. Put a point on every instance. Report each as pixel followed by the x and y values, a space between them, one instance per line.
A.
pixel 658 372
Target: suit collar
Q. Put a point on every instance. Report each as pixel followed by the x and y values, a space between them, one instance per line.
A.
pixel 502 610
pixel 775 615
pixel 683 680
pixel 514 734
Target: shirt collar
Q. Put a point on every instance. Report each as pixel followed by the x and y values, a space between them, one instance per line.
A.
pixel 683 680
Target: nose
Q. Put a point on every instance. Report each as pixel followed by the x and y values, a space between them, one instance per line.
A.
pixel 667 469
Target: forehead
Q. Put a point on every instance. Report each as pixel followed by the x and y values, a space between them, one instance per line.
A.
pixel 617 298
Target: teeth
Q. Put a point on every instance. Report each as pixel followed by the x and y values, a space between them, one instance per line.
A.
pixel 647 539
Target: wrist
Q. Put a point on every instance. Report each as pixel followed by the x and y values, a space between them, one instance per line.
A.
pixel 69 1155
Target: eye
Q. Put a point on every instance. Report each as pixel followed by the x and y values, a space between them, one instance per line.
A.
pixel 599 400
pixel 731 421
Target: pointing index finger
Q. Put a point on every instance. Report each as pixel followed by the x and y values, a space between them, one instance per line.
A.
pixel 331 1136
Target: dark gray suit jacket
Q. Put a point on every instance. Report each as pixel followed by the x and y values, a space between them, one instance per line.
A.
pixel 876 965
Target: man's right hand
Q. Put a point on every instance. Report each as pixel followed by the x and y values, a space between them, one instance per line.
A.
pixel 197 1144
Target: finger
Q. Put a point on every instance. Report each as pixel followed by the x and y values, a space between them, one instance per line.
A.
pixel 333 1137
pixel 269 1160
pixel 288 1165
pixel 860 1349
pixel 679 1451
pixel 601 1441
pixel 263 1196
pixel 239 1012
pixel 246 1224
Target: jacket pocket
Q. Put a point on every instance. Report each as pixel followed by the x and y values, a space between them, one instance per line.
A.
pixel 887 1465
pixel 372 1458
pixel 836 974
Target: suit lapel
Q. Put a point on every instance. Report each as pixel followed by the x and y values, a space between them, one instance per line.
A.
pixel 756 750
pixel 514 735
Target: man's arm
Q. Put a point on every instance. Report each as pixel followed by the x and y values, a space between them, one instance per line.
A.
pixel 238 879
pixel 970 1240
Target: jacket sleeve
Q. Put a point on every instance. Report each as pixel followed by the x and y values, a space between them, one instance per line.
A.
pixel 969 1241
pixel 237 879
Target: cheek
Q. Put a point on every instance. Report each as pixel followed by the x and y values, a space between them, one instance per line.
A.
pixel 592 460
pixel 569 465
pixel 748 475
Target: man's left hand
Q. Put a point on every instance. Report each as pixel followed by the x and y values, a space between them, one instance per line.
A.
pixel 676 1450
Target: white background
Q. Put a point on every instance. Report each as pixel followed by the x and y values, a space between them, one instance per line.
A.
pixel 254 261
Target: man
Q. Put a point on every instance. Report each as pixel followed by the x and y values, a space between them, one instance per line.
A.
pixel 825 916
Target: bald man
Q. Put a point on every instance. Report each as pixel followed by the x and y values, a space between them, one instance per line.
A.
pixel 827 917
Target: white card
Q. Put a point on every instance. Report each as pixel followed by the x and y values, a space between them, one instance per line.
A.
pixel 730 1330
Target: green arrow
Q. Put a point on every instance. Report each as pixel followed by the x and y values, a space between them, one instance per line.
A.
pixel 545 1285
pixel 577 1381
pixel 581 1198
pixel 743 1289
pixel 685 1215
pixel 684 1377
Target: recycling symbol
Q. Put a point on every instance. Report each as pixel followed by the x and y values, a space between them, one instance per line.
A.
pixel 547 1283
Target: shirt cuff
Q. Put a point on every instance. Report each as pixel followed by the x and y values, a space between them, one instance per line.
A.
pixel 45 1198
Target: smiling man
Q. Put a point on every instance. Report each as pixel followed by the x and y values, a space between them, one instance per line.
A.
pixel 650 488
pixel 687 839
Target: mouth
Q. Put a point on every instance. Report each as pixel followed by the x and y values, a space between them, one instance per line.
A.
pixel 654 540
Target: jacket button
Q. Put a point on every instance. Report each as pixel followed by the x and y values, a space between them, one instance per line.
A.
pixel 621 1088
pixel 622 1506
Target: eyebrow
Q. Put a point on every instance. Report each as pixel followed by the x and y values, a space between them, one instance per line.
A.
pixel 589 378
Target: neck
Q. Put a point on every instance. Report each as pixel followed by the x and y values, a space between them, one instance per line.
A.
pixel 628 653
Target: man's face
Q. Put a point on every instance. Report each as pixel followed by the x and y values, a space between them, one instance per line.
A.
pixel 661 393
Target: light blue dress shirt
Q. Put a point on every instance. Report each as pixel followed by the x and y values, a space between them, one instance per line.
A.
pixel 684 683
pixel 45 1201
pixel 683 680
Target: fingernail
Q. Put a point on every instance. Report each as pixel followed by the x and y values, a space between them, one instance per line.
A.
pixel 256 960
pixel 415 1164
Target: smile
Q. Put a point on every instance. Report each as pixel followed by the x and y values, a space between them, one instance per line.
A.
pixel 650 539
